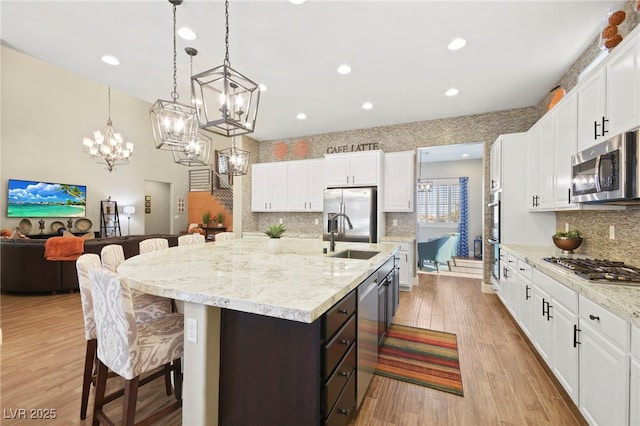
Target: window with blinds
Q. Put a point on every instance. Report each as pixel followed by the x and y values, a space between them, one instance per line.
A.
pixel 441 204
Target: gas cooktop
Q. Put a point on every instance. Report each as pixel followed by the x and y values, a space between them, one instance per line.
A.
pixel 599 270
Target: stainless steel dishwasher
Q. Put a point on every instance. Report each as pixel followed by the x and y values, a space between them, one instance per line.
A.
pixel 367 334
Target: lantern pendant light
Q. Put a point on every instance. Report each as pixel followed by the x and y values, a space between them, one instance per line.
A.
pixel 198 153
pixel 234 161
pixel 174 125
pixel 228 100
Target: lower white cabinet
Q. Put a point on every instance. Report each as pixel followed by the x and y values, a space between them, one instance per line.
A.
pixel 564 346
pixel 634 389
pixel 542 323
pixel 524 291
pixel 406 262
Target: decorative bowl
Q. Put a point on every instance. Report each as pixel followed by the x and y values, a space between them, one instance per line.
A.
pixel 567 244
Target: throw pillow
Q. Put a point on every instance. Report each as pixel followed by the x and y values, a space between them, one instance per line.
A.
pixel 66 233
pixel 89 236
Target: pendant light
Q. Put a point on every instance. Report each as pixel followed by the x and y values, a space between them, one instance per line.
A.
pixel 423 185
pixel 194 153
pixel 108 144
pixel 233 161
pixel 228 99
pixel 174 125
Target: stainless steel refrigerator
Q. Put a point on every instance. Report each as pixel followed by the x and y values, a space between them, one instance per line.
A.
pixel 360 205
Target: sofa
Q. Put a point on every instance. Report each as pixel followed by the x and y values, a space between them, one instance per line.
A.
pixel 24 269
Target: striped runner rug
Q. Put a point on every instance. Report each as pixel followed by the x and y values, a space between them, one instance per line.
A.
pixel 423 357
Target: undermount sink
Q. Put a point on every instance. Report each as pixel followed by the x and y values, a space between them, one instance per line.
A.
pixel 355 254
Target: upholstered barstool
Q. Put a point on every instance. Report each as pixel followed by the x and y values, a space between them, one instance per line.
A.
pixel 224 236
pixel 191 239
pixel 148 305
pixel 153 244
pixel 131 349
pixel 84 265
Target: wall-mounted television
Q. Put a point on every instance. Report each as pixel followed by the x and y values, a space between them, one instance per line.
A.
pixel 26 198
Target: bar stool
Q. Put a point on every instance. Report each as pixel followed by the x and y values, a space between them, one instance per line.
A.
pixel 191 239
pixel 84 265
pixel 129 348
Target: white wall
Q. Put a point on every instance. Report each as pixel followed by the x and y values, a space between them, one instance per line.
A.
pixel 46 113
pixel 454 169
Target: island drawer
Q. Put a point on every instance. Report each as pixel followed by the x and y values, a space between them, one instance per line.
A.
pixel 339 379
pixel 338 315
pixel 345 406
pixel 335 349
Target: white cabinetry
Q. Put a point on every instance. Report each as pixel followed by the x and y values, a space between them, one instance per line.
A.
pixel 524 294
pixel 353 169
pixel 604 365
pixel 305 185
pixel 533 172
pixel 495 165
pixel 609 99
pixel 406 261
pixel 269 187
pixel 565 115
pixel 546 145
pixel 399 183
pixel 634 397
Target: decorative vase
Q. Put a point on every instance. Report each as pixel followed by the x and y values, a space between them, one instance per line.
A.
pixel 274 245
pixel 567 244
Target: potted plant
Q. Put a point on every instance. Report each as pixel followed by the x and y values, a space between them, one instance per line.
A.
pixel 220 219
pixel 567 241
pixel 206 218
pixel 275 232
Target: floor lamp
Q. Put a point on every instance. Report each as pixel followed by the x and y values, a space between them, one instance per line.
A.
pixel 129 210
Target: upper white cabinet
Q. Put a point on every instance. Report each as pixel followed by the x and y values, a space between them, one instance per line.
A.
pixel 399 188
pixel 565 116
pixel 305 185
pixel 353 169
pixel 609 99
pixel 532 171
pixel 540 184
pixel 495 165
pixel 269 187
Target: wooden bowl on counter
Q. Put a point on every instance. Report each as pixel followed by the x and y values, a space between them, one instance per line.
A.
pixel 567 244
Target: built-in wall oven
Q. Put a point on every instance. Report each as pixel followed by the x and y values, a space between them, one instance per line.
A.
pixel 494 234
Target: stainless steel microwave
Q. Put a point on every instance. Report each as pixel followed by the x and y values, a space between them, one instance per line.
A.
pixel 607 172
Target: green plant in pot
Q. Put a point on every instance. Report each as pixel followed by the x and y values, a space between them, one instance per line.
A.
pixel 275 243
pixel 567 241
pixel 220 219
pixel 206 218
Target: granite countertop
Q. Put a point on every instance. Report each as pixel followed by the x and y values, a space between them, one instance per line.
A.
pixel 299 284
pixel 619 299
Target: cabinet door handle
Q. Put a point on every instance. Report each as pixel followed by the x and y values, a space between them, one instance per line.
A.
pixel 568 195
pixel 309 205
pixel 347 180
pixel 575 335
pixel 604 131
pixel 344 373
pixel 595 130
pixel 343 311
pixel 344 412
pixel 409 203
pixel 549 316
pixel 527 296
pixel 305 205
pixel 345 342
pixel 353 179
pixel 544 311
pixel 594 318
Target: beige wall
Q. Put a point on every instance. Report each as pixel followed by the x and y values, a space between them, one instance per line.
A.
pixel 46 113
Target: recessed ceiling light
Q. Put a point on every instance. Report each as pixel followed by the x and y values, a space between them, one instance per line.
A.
pixel 452 92
pixel 111 60
pixel 457 43
pixel 465 155
pixel 263 87
pixel 187 33
pixel 367 105
pixel 297 1
pixel 344 69
pixel 301 116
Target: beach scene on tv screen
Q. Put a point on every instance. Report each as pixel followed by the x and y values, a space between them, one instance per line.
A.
pixel 43 199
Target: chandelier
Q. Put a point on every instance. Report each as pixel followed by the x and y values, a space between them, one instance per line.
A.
pixel 194 153
pixel 233 161
pixel 108 144
pixel 228 100
pixel 174 125
pixel 425 186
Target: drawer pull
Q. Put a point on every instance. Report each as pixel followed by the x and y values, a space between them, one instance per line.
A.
pixel 344 412
pixel 345 342
pixel 344 373
pixel 522 269
pixel 343 311
pixel 593 317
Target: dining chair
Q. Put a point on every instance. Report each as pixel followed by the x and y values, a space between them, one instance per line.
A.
pixel 224 236
pixel 84 265
pixel 129 348
pixel 191 239
pixel 153 244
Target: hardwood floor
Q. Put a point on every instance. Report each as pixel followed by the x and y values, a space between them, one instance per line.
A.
pixel 504 384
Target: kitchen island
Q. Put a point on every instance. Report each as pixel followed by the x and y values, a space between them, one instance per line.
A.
pixel 238 281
